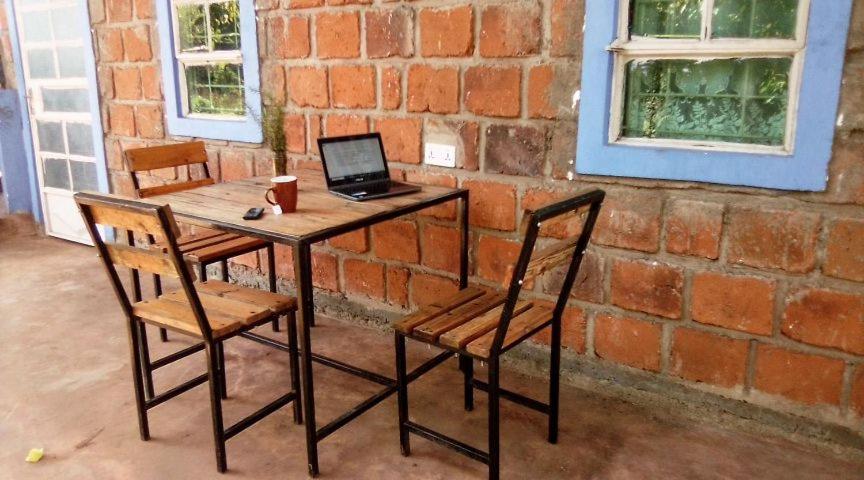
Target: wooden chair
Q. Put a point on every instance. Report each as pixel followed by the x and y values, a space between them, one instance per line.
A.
pixel 204 247
pixel 209 311
pixel 480 324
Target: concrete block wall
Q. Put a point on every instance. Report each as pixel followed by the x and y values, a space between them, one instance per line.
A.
pixel 750 294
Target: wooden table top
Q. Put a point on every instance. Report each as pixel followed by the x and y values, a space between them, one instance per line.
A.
pixel 319 214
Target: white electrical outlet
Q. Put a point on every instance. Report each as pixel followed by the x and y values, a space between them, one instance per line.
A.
pixel 440 154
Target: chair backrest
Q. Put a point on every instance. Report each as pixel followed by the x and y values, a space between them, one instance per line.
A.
pixel 167 156
pixel 566 252
pixel 140 218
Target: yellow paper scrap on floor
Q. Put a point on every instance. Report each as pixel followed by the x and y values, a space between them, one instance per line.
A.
pixel 35 455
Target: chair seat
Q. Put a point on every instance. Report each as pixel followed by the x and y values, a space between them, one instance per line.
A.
pixel 468 321
pixel 212 246
pixel 229 308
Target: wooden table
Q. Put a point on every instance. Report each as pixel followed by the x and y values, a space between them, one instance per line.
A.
pixel 319 216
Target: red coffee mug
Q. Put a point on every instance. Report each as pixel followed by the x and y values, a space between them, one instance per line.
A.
pixel 284 191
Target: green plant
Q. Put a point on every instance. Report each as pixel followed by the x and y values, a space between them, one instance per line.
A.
pixel 273 124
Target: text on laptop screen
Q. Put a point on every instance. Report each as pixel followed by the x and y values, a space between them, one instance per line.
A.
pixel 352 157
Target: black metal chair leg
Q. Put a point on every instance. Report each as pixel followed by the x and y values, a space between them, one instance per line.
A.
pixel 138 380
pixel 271 276
pixel 402 395
pixel 157 289
pixel 202 272
pixel 146 369
pixel 494 420
pixel 216 407
pixel 466 364
pixel 294 364
pixel 223 382
pixel 554 374
pixel 224 265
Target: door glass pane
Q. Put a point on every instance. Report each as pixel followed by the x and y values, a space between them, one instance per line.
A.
pixel 71 60
pixel 65 100
pixel 84 176
pixel 755 18
pixel 66 22
pixel 80 137
pixel 36 26
pixel 192 28
pixel 50 136
pixel 666 18
pixel 41 63
pixel 56 173
pixel 225 25
pixel 215 89
pixel 740 100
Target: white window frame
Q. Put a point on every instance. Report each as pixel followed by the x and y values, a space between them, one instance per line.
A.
pixel 626 48
pixel 192 59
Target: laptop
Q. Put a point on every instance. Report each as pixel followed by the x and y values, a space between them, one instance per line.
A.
pixel 355 168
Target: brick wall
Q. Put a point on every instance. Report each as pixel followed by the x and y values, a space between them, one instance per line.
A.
pixel 749 293
pixel 7 74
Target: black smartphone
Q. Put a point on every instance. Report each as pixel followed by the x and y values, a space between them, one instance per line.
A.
pixel 253 213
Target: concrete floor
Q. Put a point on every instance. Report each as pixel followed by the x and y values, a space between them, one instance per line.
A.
pixel 66 386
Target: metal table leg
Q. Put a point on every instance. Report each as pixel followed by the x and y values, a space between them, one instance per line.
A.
pixel 303 279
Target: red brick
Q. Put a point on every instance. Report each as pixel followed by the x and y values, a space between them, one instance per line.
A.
pixel 397 286
pixel 363 277
pixel 396 240
pixel 338 35
pixel 491 205
pixel 444 211
pixel 144 9
pixel 845 250
pixel 515 150
pixel 511 30
pixel 705 357
pixel 426 288
pixel 440 247
pixel 294 4
pixel 826 319
pixel 496 257
pixel 563 227
pixel 308 87
pixel 356 241
pixel 846 170
pixel 284 261
pixel 273 83
pixel 630 221
pixel 235 165
pixel 119 10
pixel 493 91
pixel 401 138
pixel 389 33
pixel 567 22
pixel 588 285
pixel 629 341
pixel 110 45
pixel 694 228
pixel 738 303
pixel 857 398
pixel 148 118
pixel 391 88
pixel 353 86
pixel 295 133
pixel 338 125
pixel 325 273
pixel 151 83
pixel 540 80
pixel 573 329
pixel 433 89
pixel 136 43
pixel 447 32
pixel 802 377
pixel 783 239
pixel 647 287
pixel 247 260
pixel 464 135
pixel 348 2
pixel 288 37
pixel 122 120
pixel 314 132
pixel 127 83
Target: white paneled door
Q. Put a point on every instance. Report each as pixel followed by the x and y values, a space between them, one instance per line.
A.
pixel 57 65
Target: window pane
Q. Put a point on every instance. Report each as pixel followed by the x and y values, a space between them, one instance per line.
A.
pixel 84 176
pixel 65 100
pixel 41 63
pixel 56 173
pixel 215 89
pixel 67 23
pixel 666 18
pixel 730 100
pixel 71 60
pixel 192 27
pixel 755 18
pixel 225 25
pixel 80 136
pixel 50 136
pixel 37 26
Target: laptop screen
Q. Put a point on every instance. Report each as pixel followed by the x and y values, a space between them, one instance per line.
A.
pixel 353 159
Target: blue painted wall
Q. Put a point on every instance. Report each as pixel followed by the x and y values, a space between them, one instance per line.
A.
pixel 13 157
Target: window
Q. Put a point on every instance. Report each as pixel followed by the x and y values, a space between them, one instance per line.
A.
pixel 212 85
pixel 728 91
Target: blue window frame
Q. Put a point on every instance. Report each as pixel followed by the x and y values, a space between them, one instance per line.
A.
pixel 803 166
pixel 200 60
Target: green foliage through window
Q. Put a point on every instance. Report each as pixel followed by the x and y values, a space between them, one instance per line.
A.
pixel 730 18
pixel 207 28
pixel 666 18
pixel 215 89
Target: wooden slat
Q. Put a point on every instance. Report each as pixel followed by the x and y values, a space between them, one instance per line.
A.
pixel 476 328
pixel 180 317
pixel 225 249
pixel 242 311
pixel 519 326
pixel 431 330
pixel 165 156
pixel 174 187
pixel 189 244
pixel 275 302
pixel 126 219
pixel 558 253
pixel 139 259
pixel 439 307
